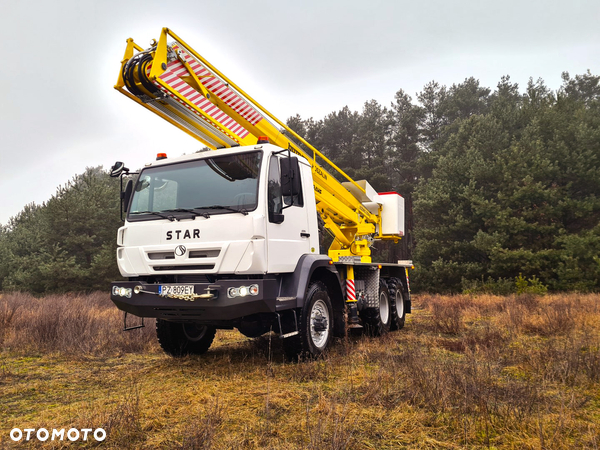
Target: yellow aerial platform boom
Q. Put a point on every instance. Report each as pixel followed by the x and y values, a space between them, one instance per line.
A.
pixel 172 80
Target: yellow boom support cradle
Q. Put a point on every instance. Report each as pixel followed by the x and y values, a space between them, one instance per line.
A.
pixel 175 82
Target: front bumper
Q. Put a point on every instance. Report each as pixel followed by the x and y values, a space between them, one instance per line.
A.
pixel 219 309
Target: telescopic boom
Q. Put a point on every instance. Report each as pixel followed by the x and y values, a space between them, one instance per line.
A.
pixel 175 82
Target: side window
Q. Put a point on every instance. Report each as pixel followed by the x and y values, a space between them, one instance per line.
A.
pixel 275 204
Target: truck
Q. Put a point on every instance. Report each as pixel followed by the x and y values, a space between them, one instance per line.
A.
pixel 231 237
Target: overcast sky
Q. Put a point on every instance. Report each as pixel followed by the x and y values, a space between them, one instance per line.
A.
pixel 60 114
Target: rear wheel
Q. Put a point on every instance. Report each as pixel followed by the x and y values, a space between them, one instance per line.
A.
pixel 397 303
pixel 180 339
pixel 378 320
pixel 316 324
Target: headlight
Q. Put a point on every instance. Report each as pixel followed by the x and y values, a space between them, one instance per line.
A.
pixel 242 291
pixel 122 291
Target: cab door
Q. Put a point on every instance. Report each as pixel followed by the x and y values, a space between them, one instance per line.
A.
pixel 288 236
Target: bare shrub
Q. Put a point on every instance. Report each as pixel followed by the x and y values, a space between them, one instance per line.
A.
pixel 425 386
pixel 70 323
pixel 486 339
pixel 513 315
pixel 452 345
pixel 555 317
pixel 381 389
pixel 307 370
pixel 530 301
pixel 570 361
pixel 469 387
pixel 122 422
pixel 446 317
pixel 8 309
pixel 520 312
pixel 590 360
pixel 559 317
pixel 200 433
pixel 514 402
pixel 328 425
pixel 488 305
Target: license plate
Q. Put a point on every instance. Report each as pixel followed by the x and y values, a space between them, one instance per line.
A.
pixel 175 289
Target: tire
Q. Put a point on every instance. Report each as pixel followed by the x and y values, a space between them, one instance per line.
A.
pixel 181 339
pixel 377 321
pixel 316 325
pixel 397 301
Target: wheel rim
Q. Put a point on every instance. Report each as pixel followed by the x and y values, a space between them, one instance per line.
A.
pixel 384 307
pixel 399 305
pixel 319 324
pixel 194 332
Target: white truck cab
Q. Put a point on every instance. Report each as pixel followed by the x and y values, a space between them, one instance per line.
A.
pixel 218 213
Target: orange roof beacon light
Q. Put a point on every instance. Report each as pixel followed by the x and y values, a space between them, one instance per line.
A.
pixel 263 140
pixel 160 156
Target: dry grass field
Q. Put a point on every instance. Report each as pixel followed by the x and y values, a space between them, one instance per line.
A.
pixel 466 372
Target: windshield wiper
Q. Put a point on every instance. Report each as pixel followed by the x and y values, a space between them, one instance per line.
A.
pixel 189 210
pixel 228 208
pixel 156 213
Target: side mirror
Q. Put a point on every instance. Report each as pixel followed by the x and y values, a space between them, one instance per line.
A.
pixel 290 177
pixel 117 169
pixel 126 196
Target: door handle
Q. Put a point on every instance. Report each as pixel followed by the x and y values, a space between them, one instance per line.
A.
pixel 305 235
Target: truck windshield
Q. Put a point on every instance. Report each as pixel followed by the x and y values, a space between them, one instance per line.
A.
pixel 220 185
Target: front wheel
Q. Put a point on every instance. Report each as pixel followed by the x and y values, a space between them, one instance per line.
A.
pixel 181 339
pixel 316 324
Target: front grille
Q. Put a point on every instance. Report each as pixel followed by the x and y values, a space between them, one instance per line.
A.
pixel 193 278
pixel 161 255
pixel 193 267
pixel 204 253
pixel 154 256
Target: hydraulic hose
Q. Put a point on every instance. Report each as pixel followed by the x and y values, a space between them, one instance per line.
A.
pixel 139 61
pixel 143 63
